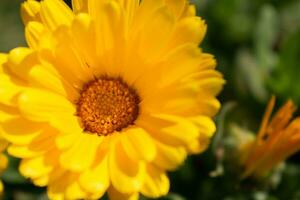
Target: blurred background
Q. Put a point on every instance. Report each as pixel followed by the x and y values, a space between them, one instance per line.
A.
pixel 257 46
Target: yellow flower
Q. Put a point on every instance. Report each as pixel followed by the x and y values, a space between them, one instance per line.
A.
pixel 3 142
pixel 276 140
pixel 3 160
pixel 109 96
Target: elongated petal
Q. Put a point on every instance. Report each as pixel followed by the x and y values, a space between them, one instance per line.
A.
pixel 124 172
pixel 66 186
pixel 177 6
pixel 33 33
pixel 80 6
pixel 30 11
pixel 37 144
pixel 84 33
pixel 35 167
pixel 188 30
pixel 21 131
pixel 155 34
pixel 3 162
pixel 42 78
pixel 19 61
pixel 169 129
pixel 138 144
pixel 40 105
pixel 156 182
pixel 72 65
pixel 96 179
pixel 7 112
pixel 8 90
pixel 81 154
pixel 208 80
pixel 169 157
pixel 179 63
pixel 55 13
pixel 3 59
pixel 116 195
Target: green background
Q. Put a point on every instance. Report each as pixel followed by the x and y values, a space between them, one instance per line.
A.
pixel 257 46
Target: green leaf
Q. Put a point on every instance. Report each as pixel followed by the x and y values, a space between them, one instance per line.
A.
pixel 285 81
pixel 11 175
pixel 265 37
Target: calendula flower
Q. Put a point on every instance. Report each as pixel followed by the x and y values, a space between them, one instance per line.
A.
pixel 276 140
pixel 3 142
pixel 108 96
pixel 3 160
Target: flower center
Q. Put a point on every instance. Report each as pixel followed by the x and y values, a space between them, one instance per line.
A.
pixel 107 105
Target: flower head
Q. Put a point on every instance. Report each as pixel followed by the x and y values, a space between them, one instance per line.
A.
pixel 276 140
pixel 3 159
pixel 108 96
pixel 3 142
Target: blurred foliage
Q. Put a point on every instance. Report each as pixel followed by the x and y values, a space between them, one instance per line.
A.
pixel 11 26
pixel 257 46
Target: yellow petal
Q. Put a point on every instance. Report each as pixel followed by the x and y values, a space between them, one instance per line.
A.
pixel 3 144
pixel 20 60
pixel 66 140
pixel 130 7
pixel 35 167
pixel 207 62
pixel 42 181
pixel 199 145
pixel 55 13
pixel 74 191
pixel 178 64
pixel 96 179
pixel 109 33
pixel 40 105
pixel 69 134
pixel 146 9
pixel 33 33
pixel 22 151
pixel 1 187
pixel 177 6
pixel 8 90
pixel 183 99
pixel 125 173
pixel 66 187
pixel 82 153
pixel 72 65
pixel 116 195
pixel 80 6
pixel 189 11
pixel 205 125
pixel 3 162
pixel 7 112
pixel 208 80
pixel 152 38
pixel 20 131
pixel 156 183
pixel 169 129
pixel 138 144
pixel 3 59
pixel 39 144
pixel 84 34
pixel 208 105
pixel 178 98
pixel 109 14
pixel 169 157
pixel 41 77
pixel 50 178
pixel 188 30
pixel 30 11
